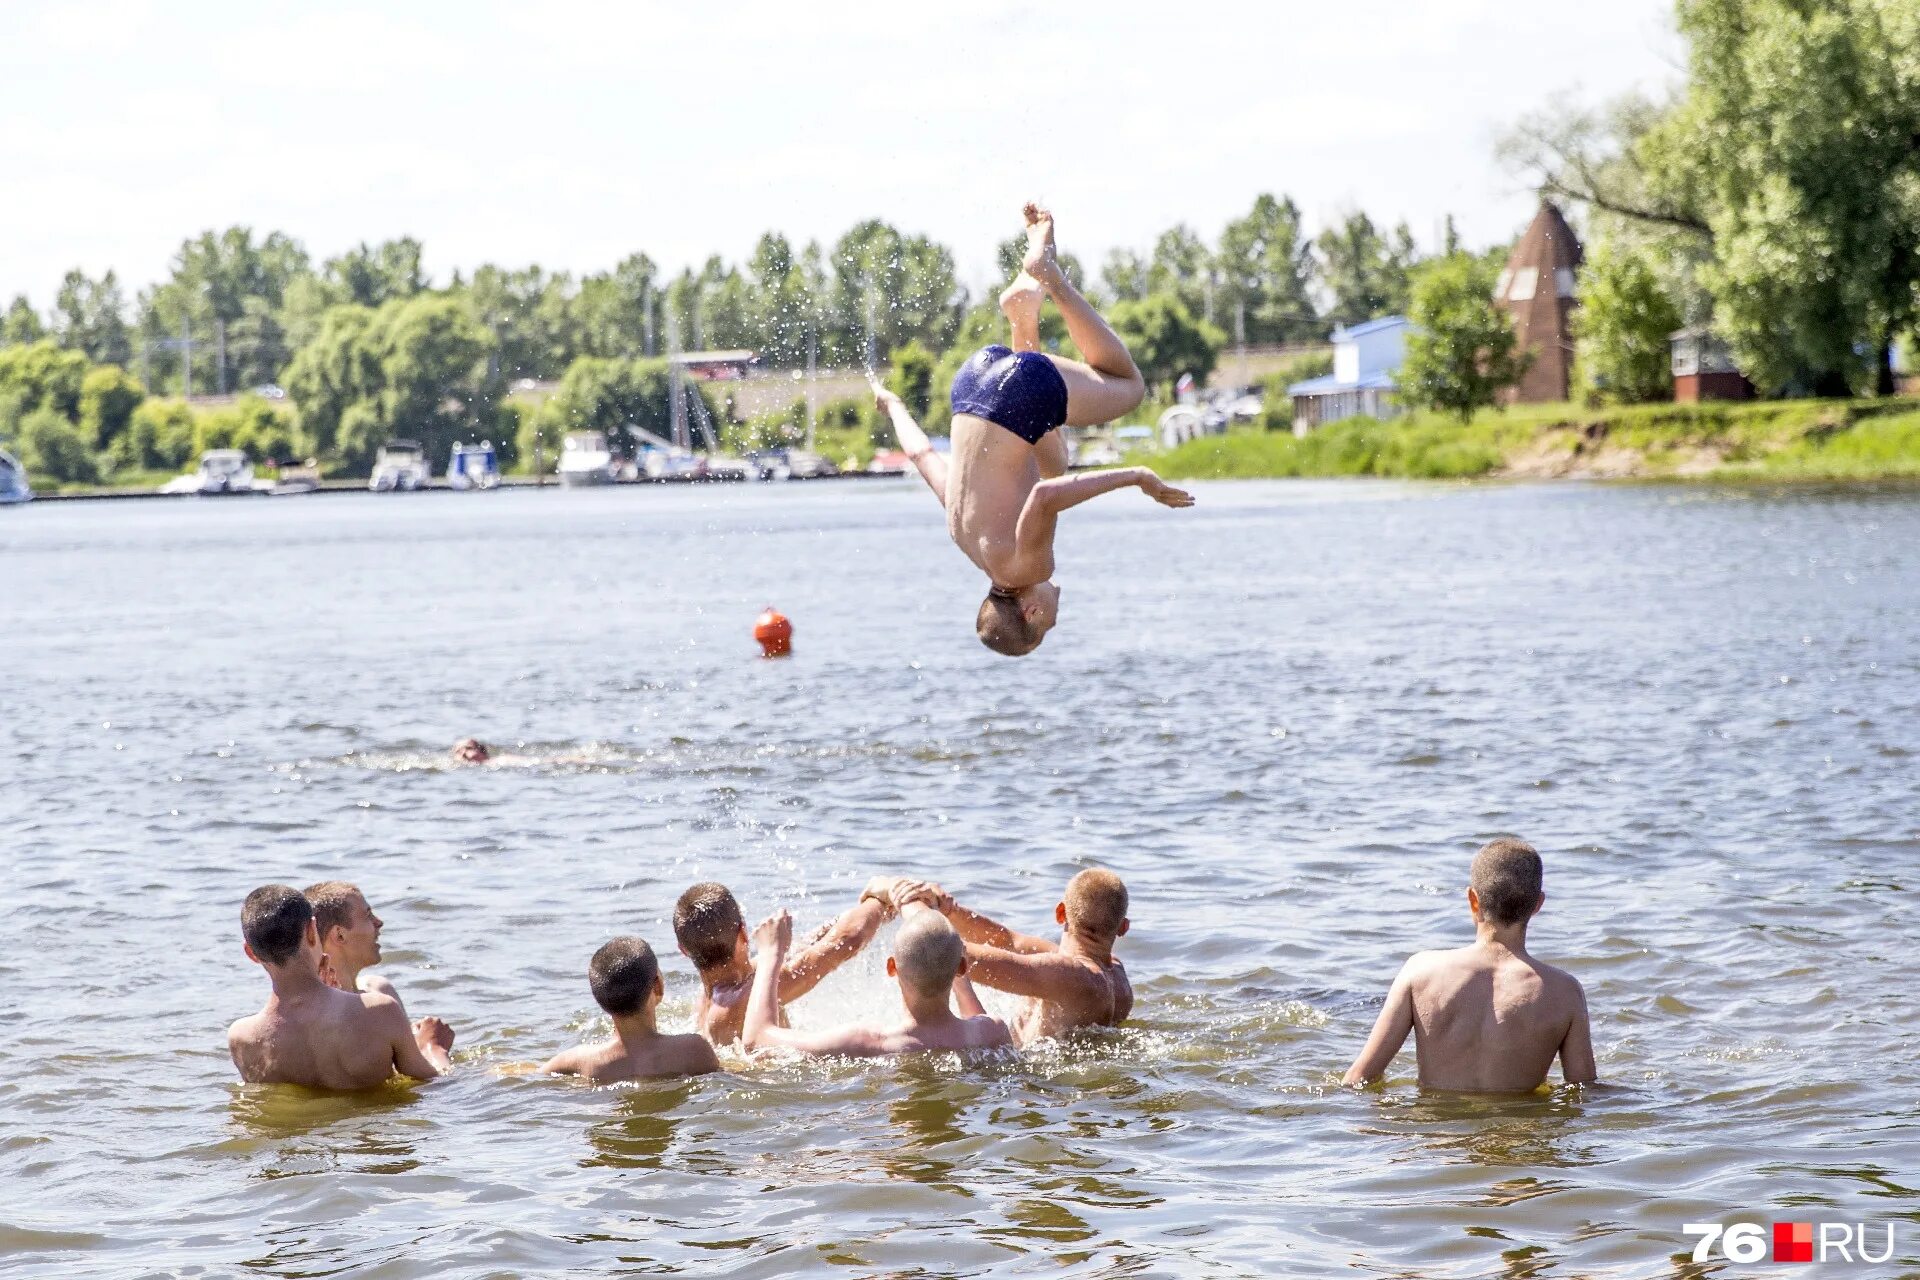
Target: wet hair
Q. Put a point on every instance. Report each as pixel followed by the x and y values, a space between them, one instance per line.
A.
pixel 273 920
pixel 622 975
pixel 1003 626
pixel 1096 903
pixel 706 921
pixel 928 953
pixel 479 747
pixel 1506 878
pixel 333 904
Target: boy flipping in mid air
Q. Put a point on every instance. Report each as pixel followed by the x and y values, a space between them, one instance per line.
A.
pixel 1486 1018
pixel 1008 484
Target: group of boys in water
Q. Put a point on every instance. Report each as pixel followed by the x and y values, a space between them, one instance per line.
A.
pixel 1484 1017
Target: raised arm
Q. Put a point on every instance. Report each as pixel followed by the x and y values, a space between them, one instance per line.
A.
pixel 976 928
pixel 1576 1051
pixel 1043 976
pixel 913 442
pixel 842 941
pixel 1033 533
pixel 1389 1032
pixel 763 1030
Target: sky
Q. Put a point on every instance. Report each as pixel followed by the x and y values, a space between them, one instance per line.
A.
pixel 571 134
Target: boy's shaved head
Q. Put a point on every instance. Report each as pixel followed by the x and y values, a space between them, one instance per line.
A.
pixel 1003 627
pixel 622 975
pixel 1096 903
pixel 706 921
pixel 333 904
pixel 1506 878
pixel 928 953
pixel 273 920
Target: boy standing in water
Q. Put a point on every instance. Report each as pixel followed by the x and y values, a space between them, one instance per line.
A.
pixel 349 938
pixel 1487 1018
pixel 712 933
pixel 1076 983
pixel 930 963
pixel 1007 484
pixel 625 979
pixel 310 1033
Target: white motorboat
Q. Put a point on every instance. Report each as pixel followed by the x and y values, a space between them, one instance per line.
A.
pixel 222 473
pixel 13 480
pixel 473 466
pixel 585 459
pixel 399 467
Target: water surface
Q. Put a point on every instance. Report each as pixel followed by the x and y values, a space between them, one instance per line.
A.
pixel 1287 717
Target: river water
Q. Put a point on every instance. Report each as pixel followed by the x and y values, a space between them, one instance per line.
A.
pixel 1287 717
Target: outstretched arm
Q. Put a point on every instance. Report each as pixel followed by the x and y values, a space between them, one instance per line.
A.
pixel 842 941
pixel 913 442
pixel 1043 976
pixel 1033 533
pixel 1389 1032
pixel 763 1029
pixel 984 931
pixel 420 1049
pixel 1576 1051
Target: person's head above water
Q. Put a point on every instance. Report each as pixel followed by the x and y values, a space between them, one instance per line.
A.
pixel 1504 887
pixel 1095 907
pixel 927 955
pixel 709 927
pixel 1014 622
pixel 625 977
pixel 471 751
pixel 349 931
pixel 276 921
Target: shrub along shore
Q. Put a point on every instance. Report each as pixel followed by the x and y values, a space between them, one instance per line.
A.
pixel 1774 440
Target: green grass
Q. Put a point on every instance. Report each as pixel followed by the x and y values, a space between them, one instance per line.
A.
pixel 1786 440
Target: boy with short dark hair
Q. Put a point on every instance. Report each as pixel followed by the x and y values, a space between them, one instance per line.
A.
pixel 1488 1017
pixel 310 1033
pixel 625 979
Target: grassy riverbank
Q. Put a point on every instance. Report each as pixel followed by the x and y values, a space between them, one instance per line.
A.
pixel 1787 440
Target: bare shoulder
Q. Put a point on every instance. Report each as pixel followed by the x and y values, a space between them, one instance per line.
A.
pixel 1561 983
pixel 380 1011
pixel 1426 964
pixel 374 984
pixel 565 1063
pixel 988 1032
pixel 243 1031
pixel 694 1055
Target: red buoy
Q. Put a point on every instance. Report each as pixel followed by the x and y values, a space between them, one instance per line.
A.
pixel 774 633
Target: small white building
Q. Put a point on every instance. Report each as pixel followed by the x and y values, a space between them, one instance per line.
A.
pixel 1365 359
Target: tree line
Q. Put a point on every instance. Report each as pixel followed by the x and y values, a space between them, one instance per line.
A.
pixel 365 346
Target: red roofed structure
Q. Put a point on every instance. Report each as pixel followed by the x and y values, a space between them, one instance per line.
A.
pixel 1536 289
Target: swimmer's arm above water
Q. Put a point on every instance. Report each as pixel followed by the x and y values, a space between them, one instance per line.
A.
pixel 842 940
pixel 1577 1065
pixel 913 442
pixel 419 1049
pixel 1033 533
pixel 1389 1032
pixel 763 1030
pixel 976 928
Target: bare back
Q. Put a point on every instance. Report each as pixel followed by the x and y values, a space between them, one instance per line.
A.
pixel 326 1039
pixel 654 1057
pixel 990 475
pixel 1486 1019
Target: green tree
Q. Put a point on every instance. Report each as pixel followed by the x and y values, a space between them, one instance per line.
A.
pixel 600 394
pixel 414 367
pixel 21 325
pixel 50 445
pixel 904 285
pixel 228 291
pixel 1462 351
pixel 1622 354
pixel 1165 340
pixel 1266 267
pixel 89 316
pixel 1182 268
pixel 1366 273
pixel 911 378
pixel 617 312
pixel 372 275
pixel 159 436
pixel 1125 276
pixel 43 376
pixel 108 398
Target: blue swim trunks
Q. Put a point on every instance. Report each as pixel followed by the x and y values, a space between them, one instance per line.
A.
pixel 1018 390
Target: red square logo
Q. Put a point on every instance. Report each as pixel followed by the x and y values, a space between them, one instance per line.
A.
pixel 1793 1242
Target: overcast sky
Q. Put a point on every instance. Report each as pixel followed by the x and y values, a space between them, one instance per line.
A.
pixel 571 134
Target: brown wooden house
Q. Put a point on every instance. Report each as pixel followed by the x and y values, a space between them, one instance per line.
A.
pixel 1537 290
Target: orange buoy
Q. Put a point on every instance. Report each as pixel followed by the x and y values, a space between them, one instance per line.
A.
pixel 774 633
